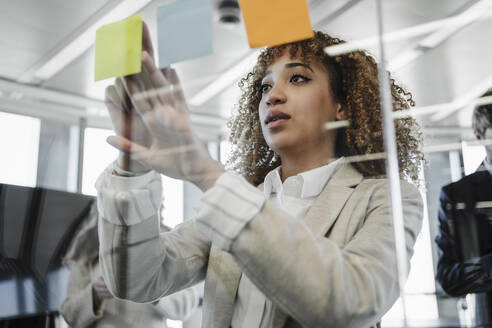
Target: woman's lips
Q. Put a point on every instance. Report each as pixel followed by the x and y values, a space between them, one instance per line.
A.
pixel 276 118
pixel 277 123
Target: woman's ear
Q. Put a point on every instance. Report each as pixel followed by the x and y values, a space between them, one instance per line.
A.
pixel 341 114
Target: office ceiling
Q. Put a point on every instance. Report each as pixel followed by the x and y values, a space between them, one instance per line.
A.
pixel 32 32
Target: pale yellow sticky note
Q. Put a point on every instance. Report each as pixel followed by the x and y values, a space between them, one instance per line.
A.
pixel 119 48
pixel 274 22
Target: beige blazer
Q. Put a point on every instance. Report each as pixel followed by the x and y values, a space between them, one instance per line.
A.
pixel 335 268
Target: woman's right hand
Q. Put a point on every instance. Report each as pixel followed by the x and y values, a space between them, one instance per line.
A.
pixel 100 292
pixel 153 127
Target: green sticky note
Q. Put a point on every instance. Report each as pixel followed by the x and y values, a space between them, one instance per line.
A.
pixel 119 48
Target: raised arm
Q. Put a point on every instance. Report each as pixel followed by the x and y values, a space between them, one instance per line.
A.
pixel 154 135
pixel 138 261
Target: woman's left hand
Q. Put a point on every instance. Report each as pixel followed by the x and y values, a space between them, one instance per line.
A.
pixel 174 149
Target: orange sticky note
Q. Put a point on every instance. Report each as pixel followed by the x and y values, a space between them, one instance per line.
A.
pixel 274 22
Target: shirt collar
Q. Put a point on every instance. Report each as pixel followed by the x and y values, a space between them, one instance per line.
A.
pixel 304 185
pixel 272 182
pixel 313 181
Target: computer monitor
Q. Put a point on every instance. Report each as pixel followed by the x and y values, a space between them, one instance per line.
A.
pixel 36 228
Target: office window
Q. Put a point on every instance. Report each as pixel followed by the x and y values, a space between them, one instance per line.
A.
pixel 98 154
pixel 421 301
pixel 173 201
pixel 473 156
pixel 19 146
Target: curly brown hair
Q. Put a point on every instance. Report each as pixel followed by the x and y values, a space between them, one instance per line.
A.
pixel 354 83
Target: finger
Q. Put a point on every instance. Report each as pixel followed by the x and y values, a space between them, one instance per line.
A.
pixel 146 40
pixel 99 282
pixel 111 95
pixel 104 293
pixel 143 79
pixel 137 152
pixel 147 113
pixel 97 286
pixel 107 296
pixel 123 95
pixel 126 124
pixel 158 80
pixel 167 116
pixel 166 71
pixel 177 90
pixel 119 117
pixel 138 96
pixel 147 84
pixel 113 101
pixel 115 111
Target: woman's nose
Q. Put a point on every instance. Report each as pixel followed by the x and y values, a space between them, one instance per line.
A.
pixel 276 96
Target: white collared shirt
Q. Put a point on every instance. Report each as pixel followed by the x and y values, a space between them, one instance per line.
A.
pixel 297 194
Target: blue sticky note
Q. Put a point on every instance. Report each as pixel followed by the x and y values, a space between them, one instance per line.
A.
pixel 184 30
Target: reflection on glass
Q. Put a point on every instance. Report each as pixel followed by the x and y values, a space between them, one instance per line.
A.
pixel 437 49
pixel 36 227
pixel 465 225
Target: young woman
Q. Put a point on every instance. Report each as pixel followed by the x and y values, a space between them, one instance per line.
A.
pixel 296 233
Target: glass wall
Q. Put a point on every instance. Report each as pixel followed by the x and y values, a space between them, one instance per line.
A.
pixel 372 200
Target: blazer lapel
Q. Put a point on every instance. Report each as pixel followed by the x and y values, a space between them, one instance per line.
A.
pixel 279 318
pixel 330 202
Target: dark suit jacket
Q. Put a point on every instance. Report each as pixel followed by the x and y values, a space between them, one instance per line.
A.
pixel 465 239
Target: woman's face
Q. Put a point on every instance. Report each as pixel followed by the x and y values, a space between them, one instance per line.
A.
pixel 296 103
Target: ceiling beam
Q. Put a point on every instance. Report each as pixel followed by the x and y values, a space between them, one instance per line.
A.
pixel 480 11
pixel 67 107
pixel 335 14
pixel 472 11
pixel 82 39
pixel 51 95
pixel 38 109
pixel 469 98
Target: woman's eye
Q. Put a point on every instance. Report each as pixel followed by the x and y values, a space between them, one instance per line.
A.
pixel 264 87
pixel 297 78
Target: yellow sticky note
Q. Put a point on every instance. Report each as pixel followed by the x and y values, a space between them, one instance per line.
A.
pixel 274 22
pixel 119 48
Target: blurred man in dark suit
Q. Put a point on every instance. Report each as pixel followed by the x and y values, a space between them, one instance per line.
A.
pixel 465 218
